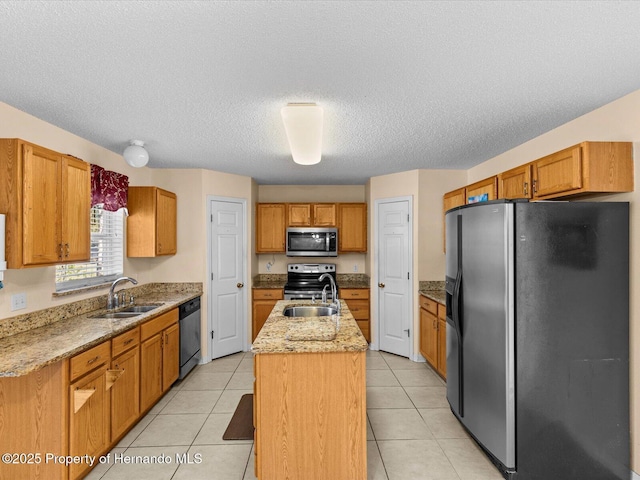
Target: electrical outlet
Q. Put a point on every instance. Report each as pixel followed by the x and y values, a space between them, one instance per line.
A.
pixel 18 301
pixel 355 267
pixel 268 266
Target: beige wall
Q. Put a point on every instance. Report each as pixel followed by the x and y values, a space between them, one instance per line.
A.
pixel 617 121
pixel 345 263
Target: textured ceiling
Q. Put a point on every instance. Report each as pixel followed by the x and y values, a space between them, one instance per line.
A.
pixel 404 85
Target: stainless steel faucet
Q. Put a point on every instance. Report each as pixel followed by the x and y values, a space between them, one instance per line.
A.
pixel 334 289
pixel 112 299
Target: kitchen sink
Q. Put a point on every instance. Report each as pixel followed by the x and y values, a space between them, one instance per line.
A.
pixel 309 311
pixel 132 311
pixel 139 308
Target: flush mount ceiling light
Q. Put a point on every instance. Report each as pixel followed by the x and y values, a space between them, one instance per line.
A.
pixel 303 124
pixel 135 154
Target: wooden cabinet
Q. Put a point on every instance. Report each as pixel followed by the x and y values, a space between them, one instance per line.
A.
pixel 315 405
pixel 125 390
pixel 264 299
pixel 433 334
pixel 352 227
pixel 455 198
pixel 357 300
pixel 311 214
pixel 476 192
pixel 89 407
pixel 47 200
pixel 159 360
pixel 271 224
pixel 516 183
pixel 152 222
pixel 589 167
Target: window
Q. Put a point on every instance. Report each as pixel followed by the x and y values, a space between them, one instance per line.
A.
pixel 107 253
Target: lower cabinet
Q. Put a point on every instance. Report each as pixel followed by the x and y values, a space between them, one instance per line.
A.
pixel 263 301
pixel 82 406
pixel 433 334
pixel 358 302
pixel 159 360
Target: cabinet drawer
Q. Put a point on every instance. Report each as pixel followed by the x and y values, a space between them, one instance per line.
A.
pixel 268 294
pixel 158 324
pixel 359 309
pixel 429 305
pixel 347 293
pixel 442 312
pixel 90 360
pixel 125 342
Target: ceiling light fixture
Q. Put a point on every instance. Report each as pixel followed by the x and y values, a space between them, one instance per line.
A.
pixel 303 124
pixel 135 154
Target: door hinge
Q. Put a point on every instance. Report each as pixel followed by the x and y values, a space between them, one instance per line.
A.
pixel 408 332
pixel 212 276
pixel 212 218
pixel 407 218
pixel 407 275
pixel 212 334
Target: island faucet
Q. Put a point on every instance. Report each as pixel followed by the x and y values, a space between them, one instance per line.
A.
pixel 112 299
pixel 334 289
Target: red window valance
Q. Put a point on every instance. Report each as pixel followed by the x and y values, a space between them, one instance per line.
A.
pixel 109 188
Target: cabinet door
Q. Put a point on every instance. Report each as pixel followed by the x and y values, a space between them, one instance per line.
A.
pixel 170 356
pixel 125 392
pixel 41 206
pixel 261 310
pixel 515 183
pixel 478 190
pixel 429 337
pixel 560 172
pixel 352 227
pixel 324 214
pixel 89 414
pixel 450 200
pixel 299 214
pixel 150 371
pixel 270 227
pixel 166 223
pixel 76 205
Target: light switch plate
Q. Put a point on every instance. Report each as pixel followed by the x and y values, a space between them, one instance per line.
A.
pixel 18 301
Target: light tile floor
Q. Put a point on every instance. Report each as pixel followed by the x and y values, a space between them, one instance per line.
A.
pixel 411 434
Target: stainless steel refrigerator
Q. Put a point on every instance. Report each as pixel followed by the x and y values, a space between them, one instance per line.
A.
pixel 538 335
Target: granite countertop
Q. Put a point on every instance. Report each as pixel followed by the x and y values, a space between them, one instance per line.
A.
pixel 28 351
pixel 344 280
pixel 273 336
pixel 435 295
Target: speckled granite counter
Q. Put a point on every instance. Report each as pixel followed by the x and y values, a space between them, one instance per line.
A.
pixel 270 280
pixel 272 337
pixel 344 280
pixel 433 290
pixel 28 351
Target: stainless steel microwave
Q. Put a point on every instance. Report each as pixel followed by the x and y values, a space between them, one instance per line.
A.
pixel 312 242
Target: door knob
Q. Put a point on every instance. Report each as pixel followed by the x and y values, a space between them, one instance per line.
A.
pixel 381 285
pixel 239 284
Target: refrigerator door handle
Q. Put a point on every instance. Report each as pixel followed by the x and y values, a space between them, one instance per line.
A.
pixel 455 314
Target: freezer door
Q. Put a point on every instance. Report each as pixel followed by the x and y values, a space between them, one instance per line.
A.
pixel 452 287
pixel 487 328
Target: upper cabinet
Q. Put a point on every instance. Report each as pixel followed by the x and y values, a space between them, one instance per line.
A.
pixel 47 199
pixel 516 183
pixel 272 220
pixel 352 227
pixel 270 227
pixel 482 191
pixel 311 214
pixel 152 222
pixel 589 167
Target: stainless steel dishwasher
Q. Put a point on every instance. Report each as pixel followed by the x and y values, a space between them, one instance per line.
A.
pixel 189 318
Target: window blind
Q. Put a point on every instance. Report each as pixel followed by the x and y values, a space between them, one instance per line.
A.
pixel 107 253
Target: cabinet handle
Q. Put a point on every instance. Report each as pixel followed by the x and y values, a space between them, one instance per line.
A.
pixel 60 254
pixel 526 189
pixel 535 186
pixel 66 246
pixel 93 360
pixel 128 341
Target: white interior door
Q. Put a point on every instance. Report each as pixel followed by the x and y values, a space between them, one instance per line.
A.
pixel 226 291
pixel 393 254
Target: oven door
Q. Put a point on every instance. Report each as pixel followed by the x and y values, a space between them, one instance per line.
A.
pixel 312 242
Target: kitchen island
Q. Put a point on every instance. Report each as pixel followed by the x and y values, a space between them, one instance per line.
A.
pixel 310 397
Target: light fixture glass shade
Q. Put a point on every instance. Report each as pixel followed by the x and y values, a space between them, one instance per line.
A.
pixel 135 154
pixel 303 124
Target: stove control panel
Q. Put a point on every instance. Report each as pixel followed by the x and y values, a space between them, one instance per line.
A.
pixel 311 267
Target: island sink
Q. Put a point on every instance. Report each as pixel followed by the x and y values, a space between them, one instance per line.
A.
pixel 309 311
